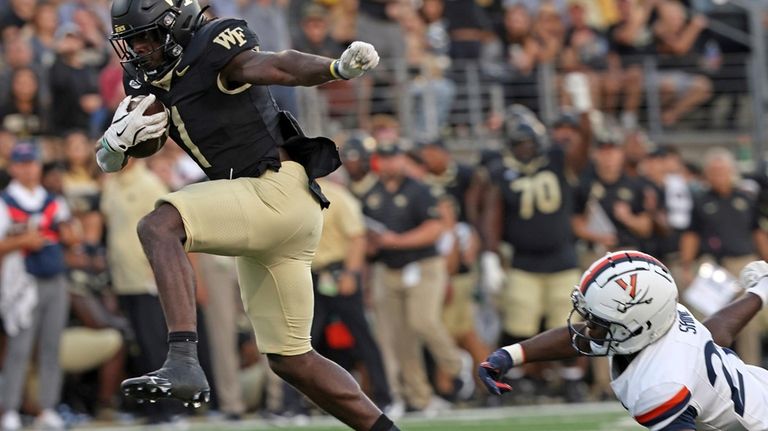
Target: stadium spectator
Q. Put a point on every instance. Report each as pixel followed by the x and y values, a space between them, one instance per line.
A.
pixel 35 227
pixel 74 84
pixel 315 37
pixel 675 37
pixel 550 30
pixel 431 92
pixel 631 41
pixel 16 15
pixel 42 34
pixel 17 54
pixel 25 114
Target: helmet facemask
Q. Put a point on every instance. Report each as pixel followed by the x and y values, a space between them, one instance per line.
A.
pixel 158 34
pixel 612 333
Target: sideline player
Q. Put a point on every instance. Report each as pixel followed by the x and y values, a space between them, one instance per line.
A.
pixel 261 205
pixel 667 368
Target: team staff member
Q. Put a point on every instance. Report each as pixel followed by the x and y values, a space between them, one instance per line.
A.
pixel 724 225
pixel 409 277
pixel 443 171
pixel 356 155
pixel 262 204
pixel 337 278
pixel 529 206
pixel 619 197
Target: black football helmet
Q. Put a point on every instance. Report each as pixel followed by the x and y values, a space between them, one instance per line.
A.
pixel 525 134
pixel 168 22
pixel 523 143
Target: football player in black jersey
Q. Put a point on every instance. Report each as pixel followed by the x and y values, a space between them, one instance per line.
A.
pixel 262 203
pixel 528 205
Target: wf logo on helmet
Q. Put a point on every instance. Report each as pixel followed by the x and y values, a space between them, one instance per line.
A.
pixel 631 288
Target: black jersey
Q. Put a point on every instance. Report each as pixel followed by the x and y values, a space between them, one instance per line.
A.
pixel 407 208
pixel 455 182
pixel 625 189
pixel 230 131
pixel 725 224
pixel 537 202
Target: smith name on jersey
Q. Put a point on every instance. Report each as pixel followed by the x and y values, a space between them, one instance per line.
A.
pixel 227 138
pixel 686 381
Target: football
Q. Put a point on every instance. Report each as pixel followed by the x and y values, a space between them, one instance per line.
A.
pixel 150 146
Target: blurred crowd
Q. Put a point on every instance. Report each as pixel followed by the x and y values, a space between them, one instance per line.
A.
pixel 429 260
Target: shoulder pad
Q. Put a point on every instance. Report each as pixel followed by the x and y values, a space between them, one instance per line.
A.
pixel 217 42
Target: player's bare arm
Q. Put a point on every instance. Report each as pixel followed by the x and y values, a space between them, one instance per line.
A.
pixel 726 324
pixel 552 345
pixel 294 68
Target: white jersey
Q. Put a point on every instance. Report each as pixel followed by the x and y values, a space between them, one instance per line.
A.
pixel 685 378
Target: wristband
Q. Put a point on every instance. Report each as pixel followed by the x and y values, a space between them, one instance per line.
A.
pixel 516 353
pixel 334 68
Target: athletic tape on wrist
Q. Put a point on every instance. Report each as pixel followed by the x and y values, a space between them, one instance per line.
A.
pixel 105 145
pixel 516 353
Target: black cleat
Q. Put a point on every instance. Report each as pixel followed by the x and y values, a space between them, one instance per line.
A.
pixel 180 377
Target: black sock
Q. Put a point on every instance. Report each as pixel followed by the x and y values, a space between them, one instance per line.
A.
pixel 383 423
pixel 181 336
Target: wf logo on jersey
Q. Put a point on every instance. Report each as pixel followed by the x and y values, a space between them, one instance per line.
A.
pixel 230 37
pixel 631 288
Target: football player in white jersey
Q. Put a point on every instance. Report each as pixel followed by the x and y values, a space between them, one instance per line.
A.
pixel 669 370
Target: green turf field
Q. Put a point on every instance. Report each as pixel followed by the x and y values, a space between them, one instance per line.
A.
pixel 579 417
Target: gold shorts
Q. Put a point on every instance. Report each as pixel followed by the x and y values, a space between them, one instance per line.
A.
pixel 530 296
pixel 272 224
pixel 459 313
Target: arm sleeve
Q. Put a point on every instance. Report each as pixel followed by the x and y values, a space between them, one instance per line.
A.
pixel 659 406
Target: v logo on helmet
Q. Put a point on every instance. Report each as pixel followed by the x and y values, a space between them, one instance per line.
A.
pixel 631 287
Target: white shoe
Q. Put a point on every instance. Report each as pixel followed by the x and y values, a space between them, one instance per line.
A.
pixel 49 420
pixel 11 421
pixel 395 410
pixel 436 406
pixel 466 376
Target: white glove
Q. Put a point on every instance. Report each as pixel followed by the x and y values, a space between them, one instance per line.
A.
pixel 753 278
pixel 492 272
pixel 129 128
pixel 577 86
pixel 357 59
